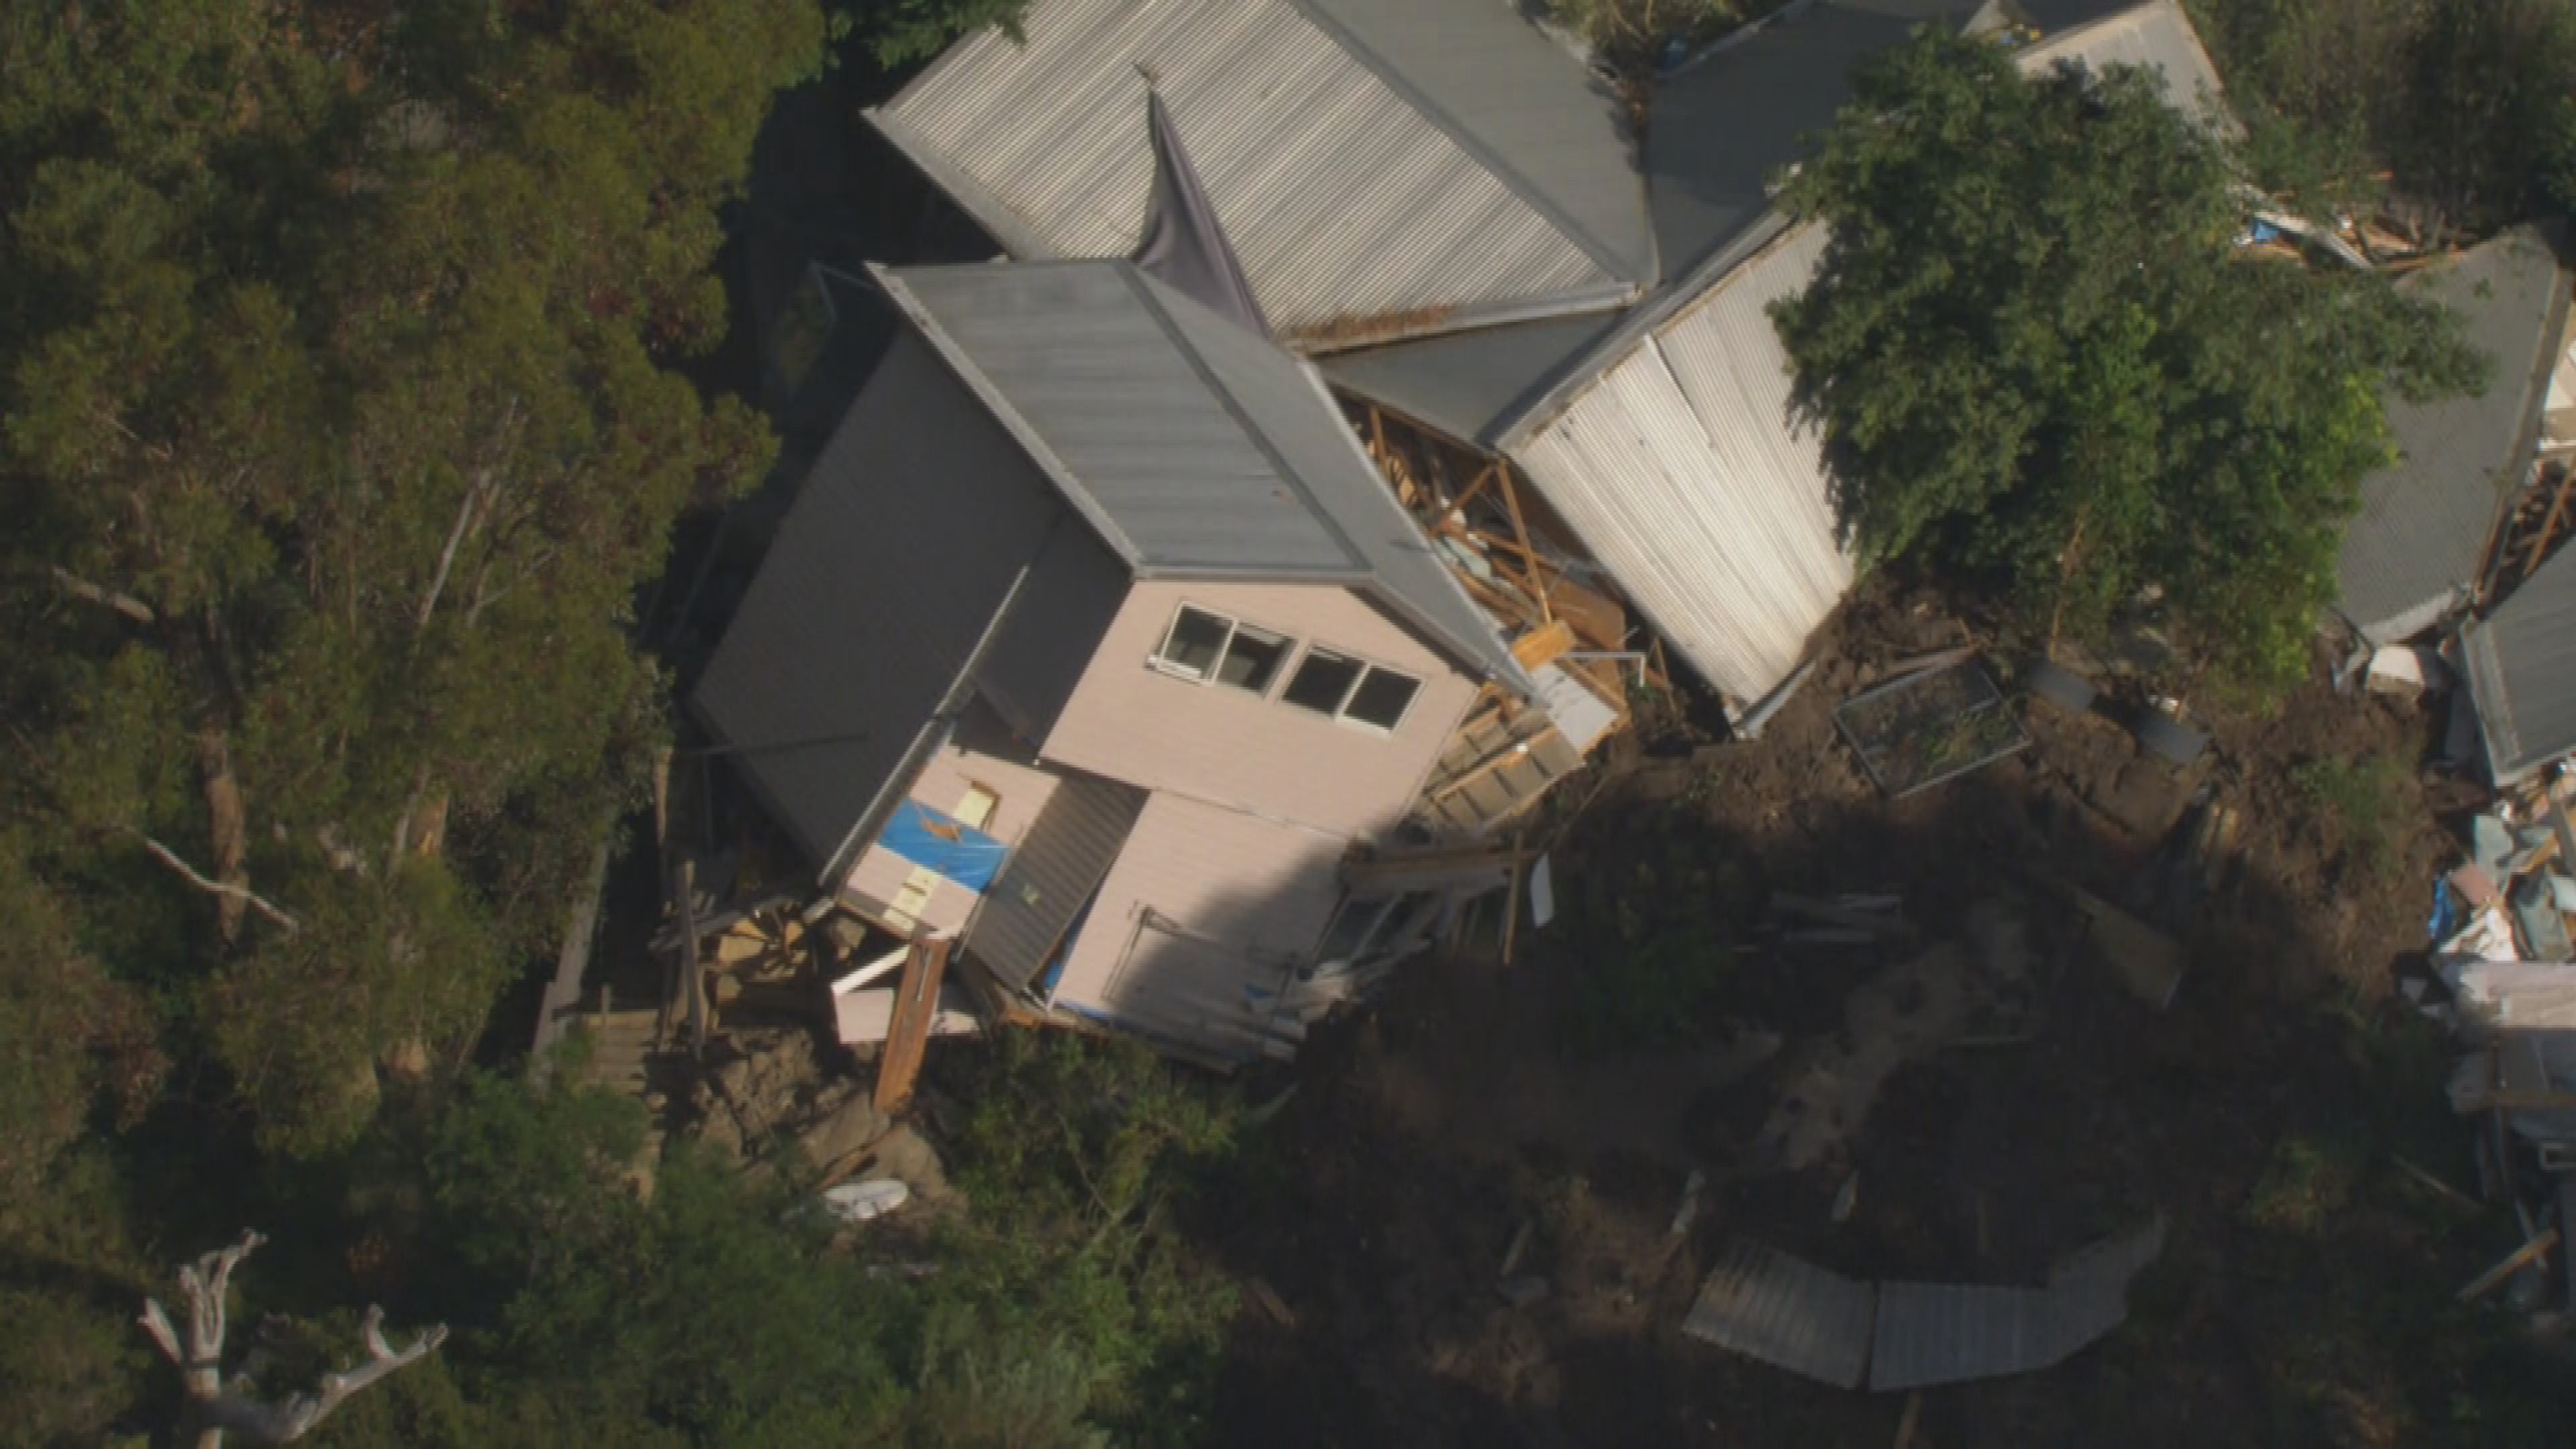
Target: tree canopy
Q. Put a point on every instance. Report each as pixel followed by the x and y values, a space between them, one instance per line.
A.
pixel 2038 362
pixel 341 426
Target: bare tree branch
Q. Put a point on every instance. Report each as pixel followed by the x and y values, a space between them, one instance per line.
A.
pixel 465 512
pixel 254 899
pixel 123 603
pixel 202 1287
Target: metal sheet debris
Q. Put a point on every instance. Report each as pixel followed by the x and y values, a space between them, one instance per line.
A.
pixel 1764 1304
pixel 1784 1311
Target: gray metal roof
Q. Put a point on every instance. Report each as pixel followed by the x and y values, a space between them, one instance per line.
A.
pixel 2522 671
pixel 2425 520
pixel 1785 1311
pixel 1718 132
pixel 1386 168
pixel 1052 874
pixel 1194 448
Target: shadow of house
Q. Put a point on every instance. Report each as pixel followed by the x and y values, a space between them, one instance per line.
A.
pixel 1090 622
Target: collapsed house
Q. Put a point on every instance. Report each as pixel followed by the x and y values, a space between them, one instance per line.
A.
pixel 1093 645
pixel 1418 231
pixel 2458 539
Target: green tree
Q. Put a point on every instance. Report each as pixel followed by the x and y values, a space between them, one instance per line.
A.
pixel 341 426
pixel 899 32
pixel 2039 364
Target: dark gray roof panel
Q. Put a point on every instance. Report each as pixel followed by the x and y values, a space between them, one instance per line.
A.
pixel 819 729
pixel 1196 448
pixel 1471 385
pixel 1147 449
pixel 1052 874
pixel 2522 672
pixel 1528 106
pixel 2425 520
pixel 1720 129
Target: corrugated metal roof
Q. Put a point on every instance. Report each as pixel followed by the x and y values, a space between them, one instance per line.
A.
pixel 1385 170
pixel 1720 130
pixel 1947 1333
pixel 2425 520
pixel 1764 1304
pixel 1051 874
pixel 1197 449
pixel 1682 472
pixel 2522 672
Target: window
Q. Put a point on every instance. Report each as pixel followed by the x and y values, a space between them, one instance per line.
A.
pixel 1345 688
pixel 1205 646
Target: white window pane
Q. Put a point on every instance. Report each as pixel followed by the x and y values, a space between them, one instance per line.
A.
pixel 1252 659
pixel 1196 639
pixel 1382 698
pixel 1321 681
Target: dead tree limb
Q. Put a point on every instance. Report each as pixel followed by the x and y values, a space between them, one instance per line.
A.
pixel 106 598
pixel 215 1408
pixel 194 877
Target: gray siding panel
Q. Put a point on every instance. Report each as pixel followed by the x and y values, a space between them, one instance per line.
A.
pixel 901 545
pixel 1068 852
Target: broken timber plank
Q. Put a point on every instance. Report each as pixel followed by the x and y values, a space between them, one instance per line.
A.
pixel 1543 644
pixel 916 1007
pixel 2486 1282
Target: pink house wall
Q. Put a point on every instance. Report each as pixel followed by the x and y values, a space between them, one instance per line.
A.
pixel 1131 722
pixel 1020 793
pixel 1261 891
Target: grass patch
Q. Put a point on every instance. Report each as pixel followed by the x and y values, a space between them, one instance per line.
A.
pixel 2363 801
pixel 2308 1183
pixel 1653 996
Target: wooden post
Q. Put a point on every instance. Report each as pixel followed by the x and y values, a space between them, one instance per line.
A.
pixel 692 964
pixel 916 1009
pixel 1520 532
pixel 1512 902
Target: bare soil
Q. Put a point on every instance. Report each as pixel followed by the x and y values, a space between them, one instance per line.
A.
pixel 1429 1128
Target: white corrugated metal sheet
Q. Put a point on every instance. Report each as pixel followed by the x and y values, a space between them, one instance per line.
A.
pixel 1764 1304
pixel 1357 215
pixel 1683 474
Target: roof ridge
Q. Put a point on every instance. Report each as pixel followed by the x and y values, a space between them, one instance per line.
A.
pixel 1146 288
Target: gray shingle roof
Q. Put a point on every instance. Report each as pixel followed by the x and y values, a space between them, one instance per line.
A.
pixel 2425 520
pixel 1195 448
pixel 2522 671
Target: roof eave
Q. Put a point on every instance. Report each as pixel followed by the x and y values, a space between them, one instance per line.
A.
pixel 1007 228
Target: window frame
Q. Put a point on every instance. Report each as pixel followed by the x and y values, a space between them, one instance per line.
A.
pixel 1340 712
pixel 1292 651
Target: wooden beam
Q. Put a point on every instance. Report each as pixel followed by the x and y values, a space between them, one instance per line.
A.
pixel 1520 531
pixel 1543 644
pixel 2550 522
pixel 916 1008
pixel 2486 1282
pixel 684 893
pixel 1517 750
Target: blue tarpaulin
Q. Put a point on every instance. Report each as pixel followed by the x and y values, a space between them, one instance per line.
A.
pixel 939 842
